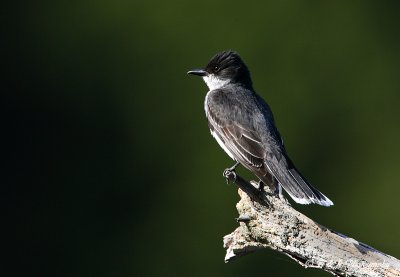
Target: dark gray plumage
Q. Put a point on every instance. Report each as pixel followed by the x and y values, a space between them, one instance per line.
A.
pixel 243 124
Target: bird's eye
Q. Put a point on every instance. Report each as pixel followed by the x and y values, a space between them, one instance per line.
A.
pixel 216 68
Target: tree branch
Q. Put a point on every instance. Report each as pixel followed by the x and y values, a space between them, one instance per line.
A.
pixel 270 222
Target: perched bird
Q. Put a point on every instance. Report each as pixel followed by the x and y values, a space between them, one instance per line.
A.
pixel 243 125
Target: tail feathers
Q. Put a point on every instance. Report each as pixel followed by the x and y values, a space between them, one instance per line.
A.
pixel 297 187
pixel 309 195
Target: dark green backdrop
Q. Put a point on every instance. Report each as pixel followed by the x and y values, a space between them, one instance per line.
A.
pixel 109 168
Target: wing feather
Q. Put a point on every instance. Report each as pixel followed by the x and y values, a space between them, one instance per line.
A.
pixel 244 144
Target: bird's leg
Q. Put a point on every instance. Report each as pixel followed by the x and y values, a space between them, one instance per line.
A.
pixel 261 186
pixel 270 185
pixel 281 197
pixel 276 187
pixel 230 170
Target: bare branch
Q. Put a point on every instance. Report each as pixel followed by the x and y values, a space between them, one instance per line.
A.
pixel 270 222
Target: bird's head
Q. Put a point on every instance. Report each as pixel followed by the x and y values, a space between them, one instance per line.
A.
pixel 225 67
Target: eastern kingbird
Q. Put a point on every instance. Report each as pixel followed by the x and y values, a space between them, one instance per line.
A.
pixel 243 125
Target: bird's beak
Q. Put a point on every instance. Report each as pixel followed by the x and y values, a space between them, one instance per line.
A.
pixel 198 72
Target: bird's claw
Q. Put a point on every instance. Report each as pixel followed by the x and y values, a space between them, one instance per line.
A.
pixel 230 175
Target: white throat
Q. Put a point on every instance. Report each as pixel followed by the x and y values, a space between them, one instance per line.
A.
pixel 214 82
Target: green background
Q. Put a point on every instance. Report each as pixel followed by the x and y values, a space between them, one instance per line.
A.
pixel 110 169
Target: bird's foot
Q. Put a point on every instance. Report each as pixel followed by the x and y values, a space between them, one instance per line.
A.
pixel 260 193
pixel 230 175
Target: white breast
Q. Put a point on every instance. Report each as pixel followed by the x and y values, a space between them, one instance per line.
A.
pixel 214 82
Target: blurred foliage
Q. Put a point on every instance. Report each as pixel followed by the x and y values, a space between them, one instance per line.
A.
pixel 109 167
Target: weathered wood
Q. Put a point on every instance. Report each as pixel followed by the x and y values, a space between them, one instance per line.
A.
pixel 270 222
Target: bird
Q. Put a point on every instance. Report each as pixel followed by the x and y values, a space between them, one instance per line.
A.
pixel 242 123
